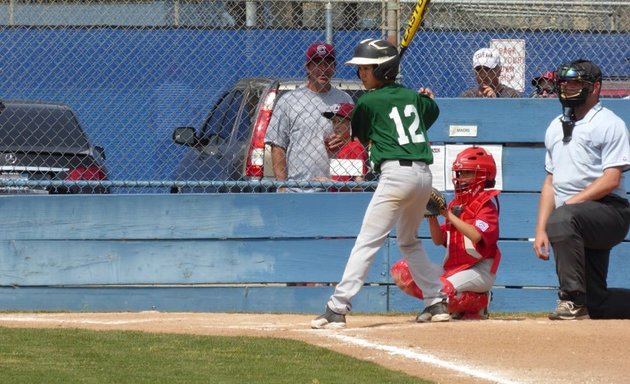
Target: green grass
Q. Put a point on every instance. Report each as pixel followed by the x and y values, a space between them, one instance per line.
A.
pixel 80 356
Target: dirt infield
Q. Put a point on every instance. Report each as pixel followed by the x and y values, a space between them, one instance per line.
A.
pixel 499 350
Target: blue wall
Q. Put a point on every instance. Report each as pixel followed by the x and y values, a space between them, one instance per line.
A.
pixel 131 87
pixel 233 252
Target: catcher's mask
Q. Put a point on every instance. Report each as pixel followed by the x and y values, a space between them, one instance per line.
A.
pixel 575 81
pixel 474 170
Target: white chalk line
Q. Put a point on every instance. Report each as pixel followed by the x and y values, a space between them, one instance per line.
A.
pixel 417 356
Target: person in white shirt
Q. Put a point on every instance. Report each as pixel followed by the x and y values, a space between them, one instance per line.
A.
pixel 583 211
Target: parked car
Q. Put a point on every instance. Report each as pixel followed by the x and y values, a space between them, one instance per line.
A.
pixel 43 141
pixel 230 144
pixel 615 87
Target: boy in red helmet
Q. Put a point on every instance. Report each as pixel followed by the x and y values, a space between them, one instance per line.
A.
pixel 470 234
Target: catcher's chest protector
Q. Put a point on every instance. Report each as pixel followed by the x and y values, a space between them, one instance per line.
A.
pixel 460 250
pixel 471 209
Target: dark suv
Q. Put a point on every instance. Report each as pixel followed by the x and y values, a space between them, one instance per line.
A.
pixel 230 144
pixel 44 142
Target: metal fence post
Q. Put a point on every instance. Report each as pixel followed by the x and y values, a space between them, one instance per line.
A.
pixel 329 22
pixel 393 8
pixel 250 13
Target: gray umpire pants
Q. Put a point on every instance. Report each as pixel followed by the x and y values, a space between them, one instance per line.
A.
pixel 582 236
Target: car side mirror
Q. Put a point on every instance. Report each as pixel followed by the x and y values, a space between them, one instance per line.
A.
pixel 184 136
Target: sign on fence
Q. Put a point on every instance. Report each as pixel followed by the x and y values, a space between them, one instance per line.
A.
pixel 513 68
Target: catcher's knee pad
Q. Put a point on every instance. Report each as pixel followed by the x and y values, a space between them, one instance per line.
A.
pixel 403 279
pixel 468 302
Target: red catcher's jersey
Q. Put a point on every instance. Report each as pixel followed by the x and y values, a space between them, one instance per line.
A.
pixel 461 253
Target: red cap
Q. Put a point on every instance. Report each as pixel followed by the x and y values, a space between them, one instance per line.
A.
pixel 343 110
pixel 319 51
pixel 549 75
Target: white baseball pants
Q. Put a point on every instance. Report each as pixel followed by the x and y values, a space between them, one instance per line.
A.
pixel 402 194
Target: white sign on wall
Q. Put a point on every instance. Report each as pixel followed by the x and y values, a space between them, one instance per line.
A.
pixel 513 54
pixel 437 168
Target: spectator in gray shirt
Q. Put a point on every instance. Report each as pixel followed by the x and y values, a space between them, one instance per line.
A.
pixel 297 128
pixel 487 65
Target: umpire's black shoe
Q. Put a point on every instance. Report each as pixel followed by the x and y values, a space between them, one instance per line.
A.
pixel 329 320
pixel 568 310
pixel 434 313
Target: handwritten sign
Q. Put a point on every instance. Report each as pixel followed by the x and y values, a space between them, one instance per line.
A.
pixel 513 54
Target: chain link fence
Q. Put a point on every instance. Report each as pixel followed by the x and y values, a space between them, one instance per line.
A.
pixel 176 96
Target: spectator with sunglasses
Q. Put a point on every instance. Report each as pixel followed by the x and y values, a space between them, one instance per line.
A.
pixel 545 85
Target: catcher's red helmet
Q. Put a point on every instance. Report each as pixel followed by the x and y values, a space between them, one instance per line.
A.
pixel 474 169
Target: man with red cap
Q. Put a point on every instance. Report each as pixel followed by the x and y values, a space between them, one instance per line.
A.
pixel 297 128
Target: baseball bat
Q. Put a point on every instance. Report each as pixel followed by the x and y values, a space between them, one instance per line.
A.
pixel 417 15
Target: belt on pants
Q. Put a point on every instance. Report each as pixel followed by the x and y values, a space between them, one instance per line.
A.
pixel 405 163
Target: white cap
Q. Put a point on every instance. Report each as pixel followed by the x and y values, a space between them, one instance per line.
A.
pixel 487 57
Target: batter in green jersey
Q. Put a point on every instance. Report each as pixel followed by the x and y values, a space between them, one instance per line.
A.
pixel 392 121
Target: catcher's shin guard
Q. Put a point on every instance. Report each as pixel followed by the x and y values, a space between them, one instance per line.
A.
pixel 403 279
pixel 468 303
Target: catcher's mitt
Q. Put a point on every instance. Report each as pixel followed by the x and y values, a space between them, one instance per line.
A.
pixel 437 202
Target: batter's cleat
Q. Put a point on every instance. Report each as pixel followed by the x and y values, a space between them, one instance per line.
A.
pixel 434 313
pixel 329 320
pixel 568 310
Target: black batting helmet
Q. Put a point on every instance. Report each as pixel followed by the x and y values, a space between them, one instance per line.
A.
pixel 377 52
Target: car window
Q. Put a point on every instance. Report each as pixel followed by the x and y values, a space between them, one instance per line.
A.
pixel 615 87
pixel 41 129
pixel 223 116
pixel 248 116
pixel 356 93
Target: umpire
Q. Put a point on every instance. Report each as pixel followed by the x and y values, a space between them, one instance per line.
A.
pixel 583 211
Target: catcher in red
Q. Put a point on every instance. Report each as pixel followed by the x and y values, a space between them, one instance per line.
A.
pixel 469 233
